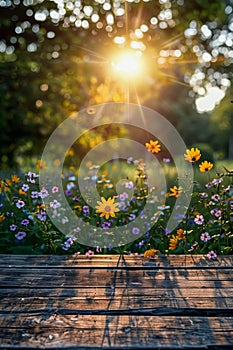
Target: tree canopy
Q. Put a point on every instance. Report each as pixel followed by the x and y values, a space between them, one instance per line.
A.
pixel 59 56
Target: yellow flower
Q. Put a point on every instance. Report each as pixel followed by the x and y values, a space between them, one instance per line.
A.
pixel 15 179
pixel 8 182
pixel 193 155
pixel 107 207
pixel 173 243
pixel 205 166
pixel 2 217
pixel 153 146
pixel 180 234
pixel 175 191
pixel 150 253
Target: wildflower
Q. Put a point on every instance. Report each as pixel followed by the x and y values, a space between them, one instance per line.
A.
pixel 135 230
pixel 20 235
pixel 54 189
pixel 20 203
pixel 199 219
pixel 150 253
pixel 173 243
pixel 180 233
pixel 203 195
pixel 34 194
pixel 2 217
pixel 86 210
pixel 132 217
pixel 192 155
pixel 217 181
pixel 31 177
pixel 123 196
pixel 13 227
pixel 205 166
pixel 153 146
pixel 42 215
pixel 216 197
pixel 106 225
pixel 90 252
pixel 55 204
pixel 129 185
pixel 216 212
pixel 175 191
pixel 25 222
pixel 107 207
pixel 15 179
pixel 43 193
pixel 25 187
pixel 21 192
pixel 211 255
pixel 205 237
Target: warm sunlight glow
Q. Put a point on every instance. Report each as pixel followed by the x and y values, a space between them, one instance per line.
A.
pixel 127 64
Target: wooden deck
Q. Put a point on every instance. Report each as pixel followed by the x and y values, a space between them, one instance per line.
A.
pixel 112 302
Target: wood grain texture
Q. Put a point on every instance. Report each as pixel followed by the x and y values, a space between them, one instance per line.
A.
pixel 112 302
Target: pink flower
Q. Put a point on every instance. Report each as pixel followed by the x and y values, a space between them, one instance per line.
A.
pixel 20 235
pixel 54 189
pixel 90 252
pixel 205 237
pixel 199 219
pixel 211 255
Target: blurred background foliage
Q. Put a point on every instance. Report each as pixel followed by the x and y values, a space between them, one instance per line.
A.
pixel 56 58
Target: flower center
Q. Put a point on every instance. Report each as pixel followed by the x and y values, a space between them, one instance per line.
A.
pixel 107 209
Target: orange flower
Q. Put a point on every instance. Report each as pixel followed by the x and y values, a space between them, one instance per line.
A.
pixel 2 217
pixel 205 166
pixel 15 179
pixel 192 155
pixel 21 191
pixel 173 243
pixel 150 253
pixel 180 234
pixel 41 165
pixel 175 191
pixel 153 146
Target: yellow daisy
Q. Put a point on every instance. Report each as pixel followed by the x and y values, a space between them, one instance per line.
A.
pixel 192 155
pixel 180 233
pixel 205 166
pixel 153 146
pixel 107 207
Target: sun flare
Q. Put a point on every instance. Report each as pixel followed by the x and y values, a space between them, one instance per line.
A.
pixel 128 64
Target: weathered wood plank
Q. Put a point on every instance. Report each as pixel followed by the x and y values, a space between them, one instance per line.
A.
pixel 112 261
pixel 131 331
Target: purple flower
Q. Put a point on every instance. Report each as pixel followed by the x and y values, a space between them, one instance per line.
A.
pixel 129 184
pixel 42 215
pixel 135 230
pixel 211 255
pixel 132 217
pixel 123 196
pixel 216 212
pixel 13 227
pixel 217 181
pixel 43 193
pixel 199 219
pixel 215 197
pixel 20 235
pixel 86 210
pixel 68 192
pixel 20 203
pixel 166 160
pixel 106 225
pixel 205 237
pixel 34 194
pixel 25 222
